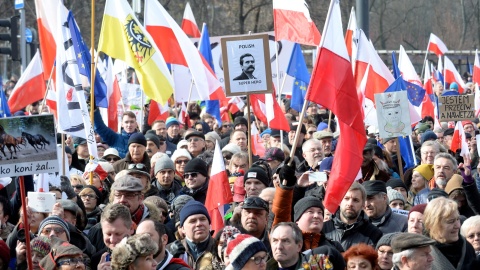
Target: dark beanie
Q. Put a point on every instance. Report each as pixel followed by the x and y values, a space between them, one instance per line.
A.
pixel 240 120
pixel 137 138
pixel 191 208
pixel 396 183
pixel 386 240
pixel 197 165
pixel 435 193
pixel 68 150
pixel 303 204
pixel 97 193
pixel 258 173
pixel 154 138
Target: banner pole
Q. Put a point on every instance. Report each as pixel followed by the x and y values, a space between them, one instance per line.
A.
pixel 92 74
pixel 63 154
pixel 249 138
pixel 48 86
pixel 399 159
pixel 26 225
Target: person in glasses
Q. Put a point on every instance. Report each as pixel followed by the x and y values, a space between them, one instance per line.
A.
pixel 153 144
pixel 310 130
pixel 62 257
pixel 180 158
pixel 196 179
pixel 78 183
pixel 135 253
pixel 111 155
pixel 91 198
pixel 137 153
pixel 312 155
pixel 54 226
pixel 196 143
pixel 168 188
pixel 228 151
pixel 246 252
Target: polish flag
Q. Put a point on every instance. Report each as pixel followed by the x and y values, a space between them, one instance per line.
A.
pixel 183 117
pixel 292 22
pixel 157 112
pixel 406 68
pixel 440 65
pixel 258 148
pixel 30 87
pixel 114 95
pixel 351 29
pixel 427 103
pixel 476 81
pixel 219 193
pixel 436 45
pixel 189 25
pixel 451 75
pixel 459 141
pixel 267 110
pixel 367 106
pixel 178 49
pixel 51 101
pixel 332 86
pixel 47 22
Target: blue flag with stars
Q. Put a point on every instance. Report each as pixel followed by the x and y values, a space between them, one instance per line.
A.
pixel 4 109
pixel 297 68
pixel 84 61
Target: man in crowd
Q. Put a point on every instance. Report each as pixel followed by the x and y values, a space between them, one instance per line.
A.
pixel 153 144
pixel 196 179
pixel 160 128
pixel 239 138
pixel 137 153
pixel 196 143
pixel 444 167
pixel 165 179
pixel 254 219
pixel 325 137
pixel 291 139
pixel 81 156
pixel 313 154
pixel 412 252
pixel 255 180
pixel 173 130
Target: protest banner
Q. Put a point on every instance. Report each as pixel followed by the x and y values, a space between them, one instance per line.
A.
pixel 41 202
pixel 456 108
pixel 27 145
pixel 246 65
pixel 393 115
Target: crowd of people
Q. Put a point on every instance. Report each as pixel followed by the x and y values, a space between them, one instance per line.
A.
pixel 144 208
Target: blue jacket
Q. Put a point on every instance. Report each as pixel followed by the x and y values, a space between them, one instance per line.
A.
pixel 113 139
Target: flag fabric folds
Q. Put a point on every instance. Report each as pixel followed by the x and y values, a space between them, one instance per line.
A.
pixel 452 75
pixel 30 87
pixel 71 103
pixel 218 192
pixel 189 25
pixel 292 22
pixel 267 110
pixel 351 29
pixel 333 87
pixel 297 68
pixel 258 149
pixel 123 37
pixel 459 141
pixel 476 82
pixel 436 45
pixel 157 112
pixel 114 95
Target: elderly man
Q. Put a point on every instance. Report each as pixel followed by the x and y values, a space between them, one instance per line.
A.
pixel 173 130
pixel 350 225
pixel 153 144
pixel 325 137
pixel 313 154
pixel 412 252
pixel 378 210
pixel 137 154
pixel 197 248
pixel 166 184
pixel 444 167
pixel 141 173
pixel 196 179
pixel 239 138
pixel 196 143
pixel 113 139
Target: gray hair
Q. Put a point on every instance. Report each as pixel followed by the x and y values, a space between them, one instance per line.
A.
pixel 397 257
pixel 433 144
pixel 308 142
pixel 296 232
pixel 471 222
pixel 449 157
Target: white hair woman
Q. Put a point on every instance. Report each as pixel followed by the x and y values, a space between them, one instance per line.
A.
pixel 471 231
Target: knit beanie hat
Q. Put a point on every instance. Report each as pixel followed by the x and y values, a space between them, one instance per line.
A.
pixel 213 137
pixel 41 244
pixel 137 138
pixel 426 170
pixel 386 240
pixel 396 183
pixel 177 204
pixel 164 163
pixel 303 204
pixel 171 121
pixel 196 165
pixel 258 173
pixel 153 138
pixel 418 208
pixel 191 208
pixel 241 249
pixel 239 120
pixel 232 148
pixel 57 221
pixel 394 195
pixel 180 153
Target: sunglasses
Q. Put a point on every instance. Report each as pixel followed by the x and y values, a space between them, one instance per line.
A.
pixel 311 132
pixel 194 139
pixel 139 166
pixel 255 203
pixel 193 175
pixel 77 186
pixel 178 161
pixel 112 159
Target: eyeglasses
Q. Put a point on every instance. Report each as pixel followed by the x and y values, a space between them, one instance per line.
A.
pixel 112 159
pixel 200 130
pixel 127 195
pixel 180 161
pixel 90 196
pixel 72 261
pixel 195 139
pixel 78 186
pixel 259 260
pixel 255 203
pixel 139 166
pixel 56 230
pixel 193 175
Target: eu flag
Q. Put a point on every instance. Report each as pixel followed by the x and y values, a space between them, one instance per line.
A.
pixel 84 61
pixel 4 109
pixel 297 68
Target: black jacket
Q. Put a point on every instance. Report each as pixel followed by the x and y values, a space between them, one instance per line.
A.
pixel 199 194
pixel 361 231
pixel 168 194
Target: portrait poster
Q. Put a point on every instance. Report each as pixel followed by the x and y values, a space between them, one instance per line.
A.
pixel 246 61
pixel 393 114
pixel 28 145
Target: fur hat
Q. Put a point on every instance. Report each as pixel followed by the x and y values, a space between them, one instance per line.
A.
pixel 241 249
pixel 129 249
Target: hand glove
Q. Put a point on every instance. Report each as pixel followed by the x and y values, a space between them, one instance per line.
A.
pixel 66 187
pixel 177 249
pixel 287 172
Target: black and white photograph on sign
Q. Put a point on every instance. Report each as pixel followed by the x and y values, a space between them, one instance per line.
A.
pixel 393 114
pixel 27 145
pixel 247 66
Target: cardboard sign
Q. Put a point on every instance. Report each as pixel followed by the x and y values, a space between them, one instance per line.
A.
pixel 456 108
pixel 393 114
pixel 41 201
pixel 28 145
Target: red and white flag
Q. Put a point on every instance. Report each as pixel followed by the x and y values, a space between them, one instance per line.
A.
pixel 218 193
pixel 436 45
pixel 267 110
pixel 157 112
pixel 476 81
pixel 351 32
pixel 459 141
pixel 451 75
pixel 406 68
pixel 258 147
pixel 292 22
pixel 189 25
pixel 30 87
pixel 114 95
pixel 332 86
pixel 427 104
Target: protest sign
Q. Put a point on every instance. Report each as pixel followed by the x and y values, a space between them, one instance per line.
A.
pixel 41 202
pixel 456 108
pixel 27 145
pixel 246 65
pixel 393 114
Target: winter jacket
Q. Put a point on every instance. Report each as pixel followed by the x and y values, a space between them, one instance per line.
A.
pixel 169 261
pixel 362 231
pixel 473 196
pixel 199 194
pixel 204 258
pixel 110 137
pixel 460 252
pixel 79 163
pixel 327 257
pixel 122 164
pixel 168 194
pixel 391 222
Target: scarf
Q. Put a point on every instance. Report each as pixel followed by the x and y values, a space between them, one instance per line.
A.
pixel 311 240
pixel 137 216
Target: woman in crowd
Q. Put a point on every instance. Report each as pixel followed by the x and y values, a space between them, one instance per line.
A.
pixel 91 198
pixel 361 256
pixel 180 158
pixel 442 224
pixel 78 183
pixel 40 247
pixel 471 231
pixel 415 219
pixel 419 189
pixel 135 253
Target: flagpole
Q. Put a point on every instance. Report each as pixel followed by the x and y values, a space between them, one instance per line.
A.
pixel 26 224
pixel 399 159
pixel 249 137
pixel 92 74
pixel 48 86
pixel 63 154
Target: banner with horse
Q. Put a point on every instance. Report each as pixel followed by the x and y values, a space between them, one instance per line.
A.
pixel 27 145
